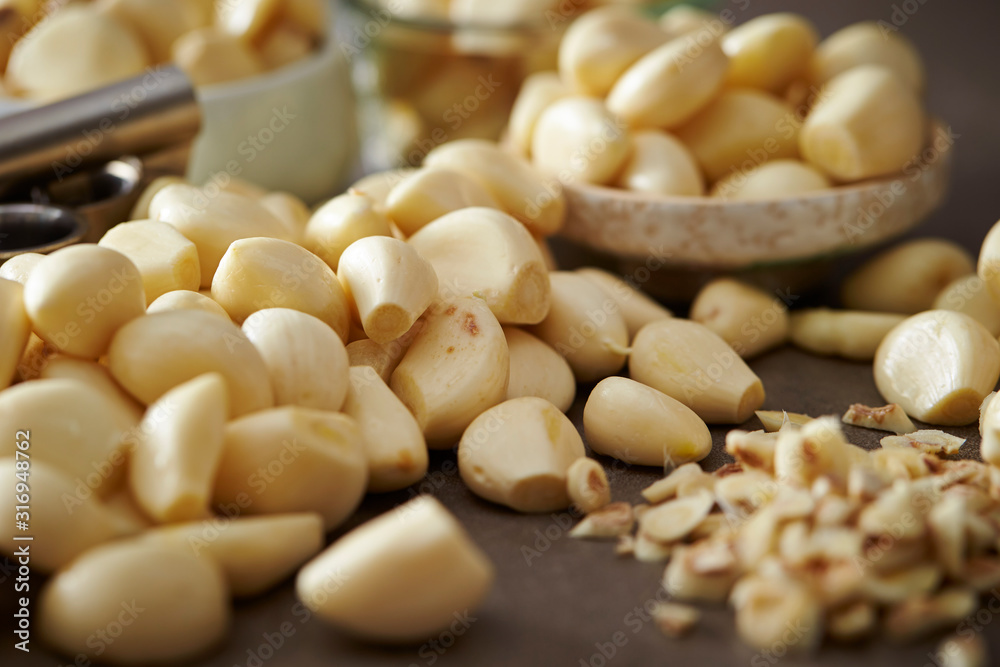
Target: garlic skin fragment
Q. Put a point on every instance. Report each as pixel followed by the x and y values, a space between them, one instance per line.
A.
pixel 938 365
pixel 399 578
pixel 638 424
pixel 690 363
pixel 519 454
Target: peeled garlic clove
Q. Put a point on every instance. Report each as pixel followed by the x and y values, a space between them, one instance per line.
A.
pixel 851 334
pixel 255 553
pixel 498 262
pixel 519 453
pixel 158 23
pixel 155 353
pixel 166 260
pixel 685 19
pixel 776 179
pixel 660 164
pixel 74 50
pixel 638 424
pixel 601 45
pixel 63 518
pixel 939 366
pixel 212 223
pixel 584 325
pixel 77 298
pixel 565 136
pixel 511 180
pixel 431 193
pixel 866 123
pixel 19 267
pixel 751 320
pixel 740 129
pixel 305 358
pixel 670 84
pixel 72 427
pixel 291 210
pixel 137 585
pixel 970 295
pixel 770 51
pixel 989 430
pixel 688 362
pixel 538 91
pixel 382 358
pixel 16 329
pixel 186 300
pixel 401 577
pixel 293 459
pixel 340 222
pixel 907 278
pixel 538 370
pixel 457 367
pixel 390 283
pixel 260 273
pixel 637 308
pixel 246 19
pixel 394 445
pixel 98 378
pixel 209 56
pixel 173 465
pixel 867 44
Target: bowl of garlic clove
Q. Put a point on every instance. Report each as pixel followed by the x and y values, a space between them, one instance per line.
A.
pixel 713 147
pixel 274 89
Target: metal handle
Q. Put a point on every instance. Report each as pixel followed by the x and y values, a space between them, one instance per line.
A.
pixel 149 112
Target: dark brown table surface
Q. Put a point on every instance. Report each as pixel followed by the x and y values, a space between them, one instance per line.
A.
pixel 575 597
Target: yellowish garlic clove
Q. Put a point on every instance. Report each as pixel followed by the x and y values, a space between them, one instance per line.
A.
pixel 186 300
pixel 770 51
pixel 389 283
pixel 417 553
pixel 740 129
pixel 867 122
pixel 394 444
pixel 209 56
pixel 212 221
pixel 851 334
pixel 78 297
pixel 340 222
pixel 19 267
pixel 293 459
pixel 907 278
pixel 255 553
pixel 970 295
pixel 691 364
pixel 457 366
pixel 637 308
pixel 537 92
pixel 565 137
pixel 638 424
pixel 166 260
pixel 660 164
pixel 260 273
pixel 751 320
pixel 536 369
pixel 519 453
pixel 16 329
pixel 585 325
pixel 670 84
pixel 137 584
pixel 430 193
pixel 173 465
pixel 499 262
pixel 775 179
pixel 867 43
pixel 155 353
pixel 939 366
pixel 511 180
